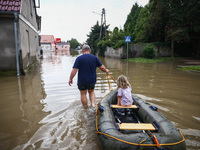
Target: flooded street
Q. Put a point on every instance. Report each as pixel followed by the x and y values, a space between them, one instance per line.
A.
pixel 41 111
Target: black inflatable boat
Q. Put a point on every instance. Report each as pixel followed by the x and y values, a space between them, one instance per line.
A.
pixel 142 128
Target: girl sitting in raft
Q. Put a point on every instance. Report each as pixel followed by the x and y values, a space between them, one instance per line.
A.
pixel 124 97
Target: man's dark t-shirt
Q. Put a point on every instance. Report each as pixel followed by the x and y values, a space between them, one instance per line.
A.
pixel 87 64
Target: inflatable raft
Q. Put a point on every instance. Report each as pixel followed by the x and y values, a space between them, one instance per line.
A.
pixel 143 128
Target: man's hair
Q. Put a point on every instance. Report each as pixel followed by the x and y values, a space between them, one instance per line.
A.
pixel 86 48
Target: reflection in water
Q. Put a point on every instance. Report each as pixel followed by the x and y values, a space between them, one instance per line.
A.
pixel 22 103
pixel 41 111
pixel 63 52
pixel 20 108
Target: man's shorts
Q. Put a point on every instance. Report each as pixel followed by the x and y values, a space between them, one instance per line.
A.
pixel 83 87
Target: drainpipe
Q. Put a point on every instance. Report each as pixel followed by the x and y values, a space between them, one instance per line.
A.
pixel 16 42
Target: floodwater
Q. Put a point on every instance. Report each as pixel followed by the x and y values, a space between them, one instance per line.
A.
pixel 41 111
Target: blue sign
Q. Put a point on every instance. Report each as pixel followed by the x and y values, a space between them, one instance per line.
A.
pixel 127 39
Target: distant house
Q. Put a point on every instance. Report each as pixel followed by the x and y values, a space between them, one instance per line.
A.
pixel 47 42
pixel 63 46
pixel 19 39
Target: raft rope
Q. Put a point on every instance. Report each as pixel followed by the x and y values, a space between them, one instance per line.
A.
pixel 112 78
pixel 136 144
pixel 141 143
pixel 102 135
pixel 108 81
pixel 155 140
pixel 109 85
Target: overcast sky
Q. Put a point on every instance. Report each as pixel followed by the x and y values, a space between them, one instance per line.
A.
pixel 68 19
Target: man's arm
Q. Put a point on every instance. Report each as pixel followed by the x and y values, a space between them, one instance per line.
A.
pixel 73 73
pixel 103 68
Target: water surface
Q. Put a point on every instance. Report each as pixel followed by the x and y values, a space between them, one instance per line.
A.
pixel 41 111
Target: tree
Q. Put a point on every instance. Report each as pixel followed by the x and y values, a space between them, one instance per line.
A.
pixel 174 21
pixel 151 22
pixel 159 13
pixel 183 25
pixel 73 43
pixel 117 38
pixel 140 30
pixel 94 36
pixel 131 20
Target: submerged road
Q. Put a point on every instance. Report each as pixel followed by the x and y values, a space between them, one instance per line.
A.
pixel 41 111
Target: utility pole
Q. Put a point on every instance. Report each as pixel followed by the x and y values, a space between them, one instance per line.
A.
pixel 103 21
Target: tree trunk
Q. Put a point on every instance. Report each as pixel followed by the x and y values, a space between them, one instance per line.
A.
pixel 172 47
pixel 198 49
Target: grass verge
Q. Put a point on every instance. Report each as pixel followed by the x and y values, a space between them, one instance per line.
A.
pixel 190 68
pixel 154 60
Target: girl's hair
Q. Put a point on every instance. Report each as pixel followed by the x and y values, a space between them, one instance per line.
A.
pixel 122 82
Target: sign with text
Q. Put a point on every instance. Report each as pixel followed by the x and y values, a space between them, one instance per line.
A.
pixel 58 40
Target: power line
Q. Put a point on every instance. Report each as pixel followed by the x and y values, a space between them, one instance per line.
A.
pixel 96 13
pixel 89 6
pixel 117 4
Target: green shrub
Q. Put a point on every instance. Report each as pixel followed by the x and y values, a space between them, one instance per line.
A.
pixel 190 68
pixel 148 51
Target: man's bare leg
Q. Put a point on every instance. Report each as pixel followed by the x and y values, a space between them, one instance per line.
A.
pixel 92 97
pixel 84 97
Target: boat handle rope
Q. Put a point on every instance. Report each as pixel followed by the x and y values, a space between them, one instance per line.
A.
pixel 153 137
pixel 164 144
pixel 109 85
pixel 108 81
pixel 111 77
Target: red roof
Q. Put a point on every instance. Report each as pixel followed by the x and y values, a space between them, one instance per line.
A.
pixel 10 5
pixel 47 39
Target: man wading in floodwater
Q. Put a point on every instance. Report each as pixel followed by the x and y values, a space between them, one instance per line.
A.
pixel 86 65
